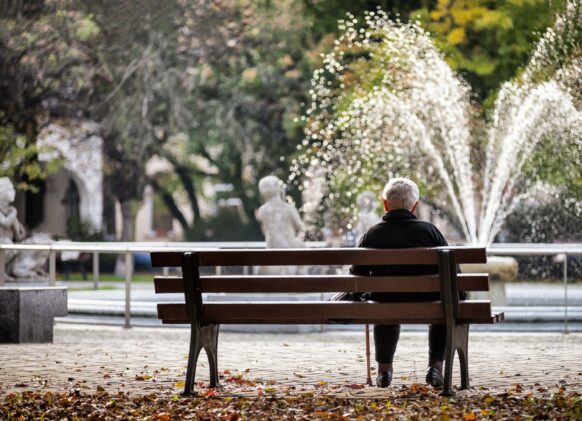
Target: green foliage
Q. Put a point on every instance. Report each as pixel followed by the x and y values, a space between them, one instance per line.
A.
pixel 45 75
pixel 226 225
pixel 78 230
pixel 557 171
pixel 216 88
pixel 326 13
pixel 240 118
pixel 558 220
pixel 19 161
pixel 86 29
pixel 487 42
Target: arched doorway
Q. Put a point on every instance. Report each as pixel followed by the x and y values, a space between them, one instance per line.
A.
pixel 72 204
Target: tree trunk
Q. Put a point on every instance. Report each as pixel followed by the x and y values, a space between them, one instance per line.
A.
pixel 170 203
pixel 127 233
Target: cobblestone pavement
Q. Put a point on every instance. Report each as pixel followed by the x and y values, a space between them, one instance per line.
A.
pixel 146 360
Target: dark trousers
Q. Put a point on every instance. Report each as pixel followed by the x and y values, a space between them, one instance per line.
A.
pixel 386 338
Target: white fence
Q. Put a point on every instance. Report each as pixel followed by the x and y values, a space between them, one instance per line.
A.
pixel 129 249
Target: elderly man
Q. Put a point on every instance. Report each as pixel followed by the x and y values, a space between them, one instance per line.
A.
pixel 400 228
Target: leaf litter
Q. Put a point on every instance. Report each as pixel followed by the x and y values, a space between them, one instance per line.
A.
pixel 241 398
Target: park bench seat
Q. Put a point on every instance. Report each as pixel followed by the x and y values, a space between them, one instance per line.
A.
pixel 205 318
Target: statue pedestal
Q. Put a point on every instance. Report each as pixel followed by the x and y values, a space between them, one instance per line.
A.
pixel 27 312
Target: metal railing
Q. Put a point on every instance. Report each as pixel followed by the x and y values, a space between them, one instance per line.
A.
pixel 519 249
pixel 129 249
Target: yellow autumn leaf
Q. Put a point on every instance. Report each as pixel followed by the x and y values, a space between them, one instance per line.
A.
pixel 456 36
pixel 250 74
pixel 286 60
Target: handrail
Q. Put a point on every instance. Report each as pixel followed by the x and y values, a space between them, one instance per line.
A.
pixel 532 249
pixel 145 246
pixel 126 248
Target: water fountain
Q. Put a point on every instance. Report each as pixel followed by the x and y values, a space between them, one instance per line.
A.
pixel 386 103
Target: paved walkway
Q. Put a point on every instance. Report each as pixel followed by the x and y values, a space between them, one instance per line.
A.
pixel 146 360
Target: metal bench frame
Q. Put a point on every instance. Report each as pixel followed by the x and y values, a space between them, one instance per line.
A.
pixel 205 319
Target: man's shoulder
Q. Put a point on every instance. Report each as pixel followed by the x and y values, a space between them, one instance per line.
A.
pixel 410 233
pixel 426 224
pixel 417 223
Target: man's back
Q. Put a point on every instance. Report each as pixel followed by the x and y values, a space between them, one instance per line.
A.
pixel 400 229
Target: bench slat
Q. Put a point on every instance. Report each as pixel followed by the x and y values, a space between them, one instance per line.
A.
pixel 168 284
pixel 327 256
pixel 306 283
pixel 324 312
pixel 473 320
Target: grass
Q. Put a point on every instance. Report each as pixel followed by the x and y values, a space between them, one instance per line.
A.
pixel 107 277
pixel 101 288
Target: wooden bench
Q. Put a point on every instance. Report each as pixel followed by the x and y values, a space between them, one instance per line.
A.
pixel 206 317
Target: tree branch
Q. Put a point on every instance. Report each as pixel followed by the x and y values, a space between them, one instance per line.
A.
pixel 170 203
pixel 184 175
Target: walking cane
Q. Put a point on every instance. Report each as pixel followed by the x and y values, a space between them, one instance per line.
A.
pixel 369 379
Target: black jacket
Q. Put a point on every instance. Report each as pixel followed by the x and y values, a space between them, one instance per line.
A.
pixel 400 229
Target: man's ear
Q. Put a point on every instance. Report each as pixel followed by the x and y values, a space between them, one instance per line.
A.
pixel 413 210
pixel 386 206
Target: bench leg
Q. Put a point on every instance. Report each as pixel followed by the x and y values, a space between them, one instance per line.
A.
pixel 449 358
pixel 192 360
pixel 457 341
pixel 462 343
pixel 210 344
pixel 203 337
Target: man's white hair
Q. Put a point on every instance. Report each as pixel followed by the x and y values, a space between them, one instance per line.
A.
pixel 401 193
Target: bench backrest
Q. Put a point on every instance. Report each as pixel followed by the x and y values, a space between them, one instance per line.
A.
pixel 447 282
pixel 321 256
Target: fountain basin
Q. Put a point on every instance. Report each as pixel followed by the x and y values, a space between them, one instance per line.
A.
pixel 499 268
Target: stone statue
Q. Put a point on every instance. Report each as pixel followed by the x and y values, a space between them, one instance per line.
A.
pixel 367 216
pixel 280 222
pixel 10 228
pixel 30 265
pixel 26 265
